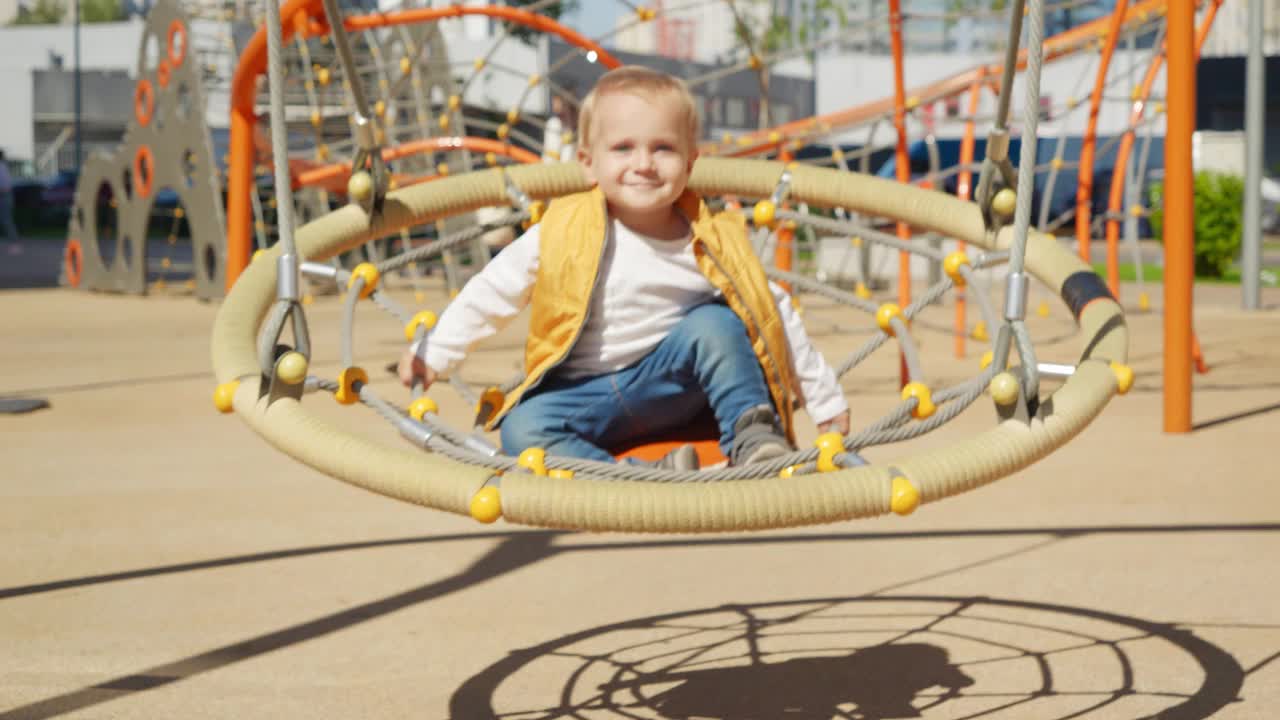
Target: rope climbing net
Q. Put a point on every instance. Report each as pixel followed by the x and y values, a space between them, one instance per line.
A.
pixel 265 381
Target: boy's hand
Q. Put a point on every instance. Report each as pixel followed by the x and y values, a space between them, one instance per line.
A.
pixel 412 367
pixel 839 423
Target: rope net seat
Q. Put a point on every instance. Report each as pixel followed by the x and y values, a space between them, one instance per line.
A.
pixel 461 473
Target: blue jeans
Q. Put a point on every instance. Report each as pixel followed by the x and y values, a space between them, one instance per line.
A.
pixel 706 360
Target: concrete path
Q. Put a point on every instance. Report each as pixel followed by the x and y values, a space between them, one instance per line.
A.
pixel 162 561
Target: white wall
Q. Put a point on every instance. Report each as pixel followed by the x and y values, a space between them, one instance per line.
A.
pixel 15 122
pixel 102 46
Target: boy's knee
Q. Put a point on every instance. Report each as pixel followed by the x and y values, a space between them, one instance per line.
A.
pixel 519 431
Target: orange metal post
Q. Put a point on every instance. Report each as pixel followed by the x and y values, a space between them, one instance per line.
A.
pixel 300 16
pixel 901 159
pixel 1179 218
pixel 784 249
pixel 964 187
pixel 1084 184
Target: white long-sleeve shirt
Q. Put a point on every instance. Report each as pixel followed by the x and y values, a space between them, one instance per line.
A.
pixel 645 287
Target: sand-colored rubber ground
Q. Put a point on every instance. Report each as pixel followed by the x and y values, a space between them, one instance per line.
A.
pixel 161 561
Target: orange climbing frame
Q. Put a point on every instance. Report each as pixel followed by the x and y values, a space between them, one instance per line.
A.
pixel 1084 181
pixel 964 188
pixel 1179 218
pixel 333 177
pixel 1056 47
pixel 306 18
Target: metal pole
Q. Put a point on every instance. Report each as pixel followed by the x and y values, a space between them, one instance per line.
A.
pixel 76 74
pixel 1255 102
pixel 1179 214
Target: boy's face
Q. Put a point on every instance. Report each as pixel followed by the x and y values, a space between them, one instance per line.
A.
pixel 639 154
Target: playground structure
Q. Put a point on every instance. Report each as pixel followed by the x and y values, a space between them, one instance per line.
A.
pixel 900 485
pixel 265 381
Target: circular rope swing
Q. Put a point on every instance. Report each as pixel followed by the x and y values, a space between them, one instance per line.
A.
pixel 590 500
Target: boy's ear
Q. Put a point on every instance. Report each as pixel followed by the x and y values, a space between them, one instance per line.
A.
pixel 693 157
pixel 584 160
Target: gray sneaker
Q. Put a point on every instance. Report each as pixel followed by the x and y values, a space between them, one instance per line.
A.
pixel 682 459
pixel 758 436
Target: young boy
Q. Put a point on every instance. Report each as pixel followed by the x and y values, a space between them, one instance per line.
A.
pixel 646 307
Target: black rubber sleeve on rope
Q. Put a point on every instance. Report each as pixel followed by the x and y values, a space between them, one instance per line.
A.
pixel 1082 288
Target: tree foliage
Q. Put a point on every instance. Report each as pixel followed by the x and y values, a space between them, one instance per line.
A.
pixel 92 11
pixel 553 11
pixel 53 12
pixel 1219 222
pixel 41 12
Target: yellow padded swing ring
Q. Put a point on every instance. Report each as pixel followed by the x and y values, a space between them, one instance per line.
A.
pixel 347 392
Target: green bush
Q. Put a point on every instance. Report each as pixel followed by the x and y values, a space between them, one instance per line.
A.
pixel 1219 225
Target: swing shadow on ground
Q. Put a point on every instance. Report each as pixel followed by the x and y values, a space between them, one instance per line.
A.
pixel 904 676
pixel 518 549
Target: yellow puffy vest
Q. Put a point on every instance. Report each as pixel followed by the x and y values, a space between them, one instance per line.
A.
pixel 572 243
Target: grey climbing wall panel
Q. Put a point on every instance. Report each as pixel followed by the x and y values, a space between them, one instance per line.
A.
pixel 165 165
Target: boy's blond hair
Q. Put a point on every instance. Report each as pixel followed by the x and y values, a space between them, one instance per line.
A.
pixel 646 83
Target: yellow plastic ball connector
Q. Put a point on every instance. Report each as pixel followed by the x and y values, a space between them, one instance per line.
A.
pixel 536 209
pixel 1043 309
pixel 862 291
pixel 645 14
pixel 979 332
pixel 952 265
pixel 1124 377
pixel 486 505
pixel 561 474
pixel 763 213
pixel 924 399
pixel 224 396
pixel 291 368
pixel 1004 389
pixel 360 186
pixel 987 358
pixel 788 471
pixel 503 131
pixel 829 445
pixel 419 408
pixel 369 272
pixel 904 498
pixel 425 318
pixel 885 316
pixel 534 460
pixel 347 392
pixel 1005 202
pixel 1144 302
